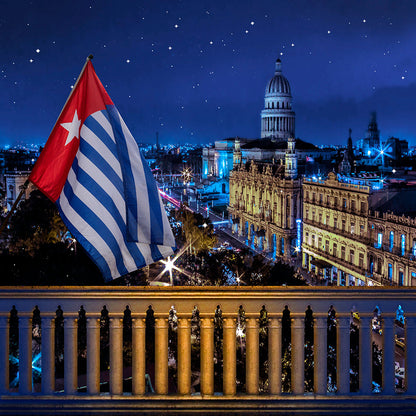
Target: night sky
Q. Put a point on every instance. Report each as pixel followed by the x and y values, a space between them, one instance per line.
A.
pixel 195 71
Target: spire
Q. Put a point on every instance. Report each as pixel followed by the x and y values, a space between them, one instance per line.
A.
pixel 278 69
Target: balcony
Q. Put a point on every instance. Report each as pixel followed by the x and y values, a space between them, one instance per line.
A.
pixel 208 400
pixel 338 231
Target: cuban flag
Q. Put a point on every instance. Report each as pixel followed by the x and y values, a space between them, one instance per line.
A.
pixel 93 170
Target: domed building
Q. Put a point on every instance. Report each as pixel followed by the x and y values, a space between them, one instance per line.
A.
pixel 277 118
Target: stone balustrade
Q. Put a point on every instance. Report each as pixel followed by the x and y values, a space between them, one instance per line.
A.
pixel 48 400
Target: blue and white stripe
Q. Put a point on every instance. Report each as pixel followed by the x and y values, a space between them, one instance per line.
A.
pixel 110 201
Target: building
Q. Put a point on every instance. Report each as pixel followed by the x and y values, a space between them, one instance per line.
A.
pixel 14 183
pixel 369 146
pixel 265 204
pixel 335 230
pixel 359 231
pixel 277 117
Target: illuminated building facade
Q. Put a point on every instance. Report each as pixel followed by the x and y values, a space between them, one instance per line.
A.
pixel 351 235
pixel 392 256
pixel 335 230
pixel 265 205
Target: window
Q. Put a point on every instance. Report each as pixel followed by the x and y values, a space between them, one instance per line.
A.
pixel 361 229
pixel 335 222
pixel 352 256
pixel 320 218
pixel 353 205
pixel 306 237
pixel 379 240
pixel 361 260
pixel 321 198
pixel 414 247
pixel 343 253
pixel 401 277
pixel 403 244
pixel 313 240
pixel 391 240
pixel 352 228
pixel 335 202
pixel 344 203
pixel 343 225
pixel 390 272
pixel 326 248
pixel 363 207
pixel 319 242
pixel 334 250
pixel 327 220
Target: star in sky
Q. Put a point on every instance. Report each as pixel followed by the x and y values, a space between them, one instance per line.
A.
pixel 72 128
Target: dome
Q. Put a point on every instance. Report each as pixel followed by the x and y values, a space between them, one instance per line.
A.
pixel 278 84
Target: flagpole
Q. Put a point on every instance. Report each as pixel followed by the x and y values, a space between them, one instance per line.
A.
pixel 10 213
pixel 26 184
pixel 89 57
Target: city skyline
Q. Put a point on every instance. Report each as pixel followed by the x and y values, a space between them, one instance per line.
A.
pixel 196 72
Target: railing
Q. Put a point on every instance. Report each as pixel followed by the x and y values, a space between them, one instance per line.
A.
pixel 208 400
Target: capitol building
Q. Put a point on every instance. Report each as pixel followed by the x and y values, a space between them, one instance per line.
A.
pixel 347 229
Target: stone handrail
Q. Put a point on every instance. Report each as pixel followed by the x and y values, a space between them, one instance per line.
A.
pixel 344 300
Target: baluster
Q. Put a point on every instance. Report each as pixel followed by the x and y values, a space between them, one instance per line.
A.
pixel 93 355
pixel 116 356
pixel 139 356
pixel 388 355
pixel 366 359
pixel 343 354
pixel 48 354
pixel 320 348
pixel 207 356
pixel 252 356
pixel 4 354
pixel 70 354
pixel 25 354
pixel 229 360
pixel 161 356
pixel 275 355
pixel 298 354
pixel 184 356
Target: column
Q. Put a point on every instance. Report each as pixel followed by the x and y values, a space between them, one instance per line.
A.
pixel 207 356
pixel 320 351
pixel 116 356
pixel 161 356
pixel 343 354
pixel 48 355
pixel 298 354
pixel 275 355
pixel 252 356
pixel 25 355
pixel 229 354
pixel 184 356
pixel 366 359
pixel 138 359
pixel 93 355
pixel 389 386
pixel 4 354
pixel 70 355
pixel 410 354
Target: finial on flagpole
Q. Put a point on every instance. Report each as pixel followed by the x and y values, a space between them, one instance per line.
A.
pixel 90 57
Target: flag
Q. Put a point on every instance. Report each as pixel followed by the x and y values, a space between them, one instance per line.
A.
pixel 92 169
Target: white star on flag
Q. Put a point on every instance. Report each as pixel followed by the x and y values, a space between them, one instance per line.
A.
pixel 73 128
